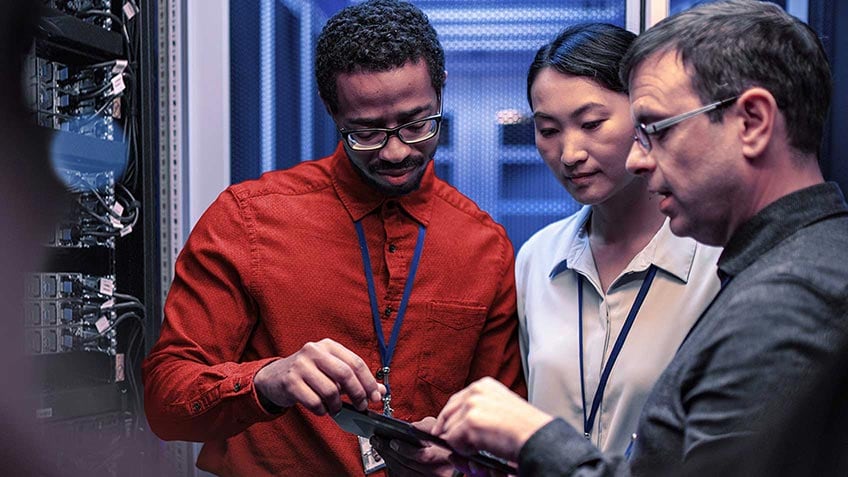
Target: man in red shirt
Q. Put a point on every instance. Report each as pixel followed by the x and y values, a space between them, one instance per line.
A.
pixel 360 276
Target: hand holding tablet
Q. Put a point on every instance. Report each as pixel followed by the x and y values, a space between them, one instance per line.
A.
pixel 368 423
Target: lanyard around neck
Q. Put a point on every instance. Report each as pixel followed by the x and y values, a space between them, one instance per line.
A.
pixel 589 421
pixel 386 351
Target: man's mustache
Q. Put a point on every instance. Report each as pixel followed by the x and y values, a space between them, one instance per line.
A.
pixel 408 163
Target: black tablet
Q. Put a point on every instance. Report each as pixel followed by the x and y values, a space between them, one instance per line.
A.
pixel 368 423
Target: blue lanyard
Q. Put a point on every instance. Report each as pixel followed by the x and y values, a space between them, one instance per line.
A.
pixel 589 421
pixel 386 352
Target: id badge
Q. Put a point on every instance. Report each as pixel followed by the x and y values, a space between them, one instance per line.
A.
pixel 371 460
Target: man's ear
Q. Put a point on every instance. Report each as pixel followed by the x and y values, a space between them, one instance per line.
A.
pixel 758 112
pixel 444 80
pixel 327 107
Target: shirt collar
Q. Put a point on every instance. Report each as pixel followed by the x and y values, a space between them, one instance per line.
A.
pixel 361 198
pixel 670 253
pixel 574 243
pixel 776 222
pixel 675 255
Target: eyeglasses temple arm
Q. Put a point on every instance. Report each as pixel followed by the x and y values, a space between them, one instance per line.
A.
pixel 667 123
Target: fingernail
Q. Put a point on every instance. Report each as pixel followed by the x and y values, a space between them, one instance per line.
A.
pixel 362 405
pixel 376 396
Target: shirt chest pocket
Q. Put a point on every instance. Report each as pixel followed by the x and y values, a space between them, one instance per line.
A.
pixel 451 330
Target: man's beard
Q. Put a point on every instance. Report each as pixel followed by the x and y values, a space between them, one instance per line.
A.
pixel 415 162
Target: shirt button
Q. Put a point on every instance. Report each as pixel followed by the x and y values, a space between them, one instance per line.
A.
pixel 236 387
pixel 196 406
pixel 392 248
pixel 388 311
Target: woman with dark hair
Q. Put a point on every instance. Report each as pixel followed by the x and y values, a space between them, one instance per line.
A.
pixel 606 295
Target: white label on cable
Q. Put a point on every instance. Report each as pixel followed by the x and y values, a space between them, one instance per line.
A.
pixel 119 66
pixel 129 10
pixel 108 304
pixel 107 286
pixel 118 85
pixel 101 324
pixel 126 230
pixel 119 367
pixel 118 209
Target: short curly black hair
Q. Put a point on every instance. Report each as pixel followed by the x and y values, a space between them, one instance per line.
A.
pixel 377 35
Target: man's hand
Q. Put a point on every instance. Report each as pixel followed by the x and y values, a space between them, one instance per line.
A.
pixel 488 416
pixel 404 459
pixel 469 468
pixel 317 376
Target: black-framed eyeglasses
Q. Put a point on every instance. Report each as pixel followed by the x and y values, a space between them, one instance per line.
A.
pixel 644 131
pixel 413 132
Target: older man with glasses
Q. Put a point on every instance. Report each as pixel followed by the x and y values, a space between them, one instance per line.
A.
pixel 360 277
pixel 729 101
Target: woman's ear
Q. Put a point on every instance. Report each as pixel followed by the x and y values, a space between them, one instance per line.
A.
pixel 758 111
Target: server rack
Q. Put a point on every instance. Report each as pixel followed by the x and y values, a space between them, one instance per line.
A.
pixel 91 311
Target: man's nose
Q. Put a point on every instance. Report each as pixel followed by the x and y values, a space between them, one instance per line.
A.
pixel 639 162
pixel 395 150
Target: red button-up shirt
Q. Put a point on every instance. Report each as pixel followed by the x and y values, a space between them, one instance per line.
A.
pixel 275 263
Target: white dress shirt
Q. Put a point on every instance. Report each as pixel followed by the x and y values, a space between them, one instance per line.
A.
pixel 546 279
